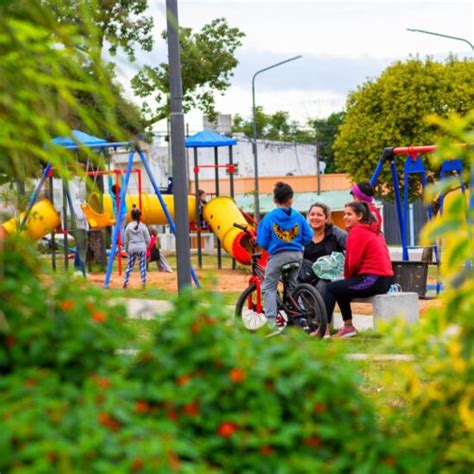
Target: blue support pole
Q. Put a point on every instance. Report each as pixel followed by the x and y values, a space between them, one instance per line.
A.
pixel 34 196
pixel 377 172
pixel 398 202
pixel 163 205
pixel 123 193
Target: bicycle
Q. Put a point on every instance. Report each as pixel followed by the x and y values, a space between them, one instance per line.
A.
pixel 303 306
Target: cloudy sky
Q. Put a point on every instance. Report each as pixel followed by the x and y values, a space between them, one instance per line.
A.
pixel 342 43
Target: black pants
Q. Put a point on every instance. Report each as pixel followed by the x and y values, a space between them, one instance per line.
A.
pixel 360 286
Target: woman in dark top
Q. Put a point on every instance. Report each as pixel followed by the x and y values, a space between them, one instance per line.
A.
pixel 327 238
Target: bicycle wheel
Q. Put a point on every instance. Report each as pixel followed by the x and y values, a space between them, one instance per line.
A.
pixel 310 306
pixel 245 309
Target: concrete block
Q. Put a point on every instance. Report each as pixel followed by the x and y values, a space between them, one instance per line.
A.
pixel 394 305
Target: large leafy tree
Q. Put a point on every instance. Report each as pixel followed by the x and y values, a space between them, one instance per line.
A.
pixel 325 131
pixel 391 110
pixel 120 24
pixel 207 62
pixel 43 76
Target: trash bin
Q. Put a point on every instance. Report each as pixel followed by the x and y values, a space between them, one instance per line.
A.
pixel 411 276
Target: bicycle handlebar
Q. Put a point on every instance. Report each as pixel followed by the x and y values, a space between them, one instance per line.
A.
pixel 253 240
pixel 241 227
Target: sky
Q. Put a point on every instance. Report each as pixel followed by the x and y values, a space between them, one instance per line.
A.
pixel 342 43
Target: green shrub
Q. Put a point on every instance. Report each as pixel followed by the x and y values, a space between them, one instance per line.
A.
pixel 438 434
pixel 54 323
pixel 244 403
pixel 203 396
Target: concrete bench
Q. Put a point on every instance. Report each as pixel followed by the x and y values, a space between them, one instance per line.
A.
pixel 393 305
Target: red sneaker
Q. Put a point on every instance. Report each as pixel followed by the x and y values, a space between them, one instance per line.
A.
pixel 280 321
pixel 346 331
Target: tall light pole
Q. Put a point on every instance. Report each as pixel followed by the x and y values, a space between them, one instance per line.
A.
pixel 180 183
pixel 255 155
pixel 415 30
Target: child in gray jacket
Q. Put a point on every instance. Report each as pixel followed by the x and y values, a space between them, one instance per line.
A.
pixel 136 242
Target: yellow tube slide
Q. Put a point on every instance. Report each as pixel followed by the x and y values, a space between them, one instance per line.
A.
pixel 221 213
pixel 43 219
pixel 152 212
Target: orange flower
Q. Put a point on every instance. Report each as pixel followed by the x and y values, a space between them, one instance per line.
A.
pixel 142 406
pixel 313 441
pixel 226 429
pixel 172 415
pixel 66 305
pixel 389 461
pixel 102 382
pixel 10 341
pixel 106 420
pixel 30 383
pixel 196 327
pixel 237 375
pixel 266 450
pixel 319 407
pixel 174 461
pixel 183 380
pixel 191 409
pixel 99 317
pixel 137 464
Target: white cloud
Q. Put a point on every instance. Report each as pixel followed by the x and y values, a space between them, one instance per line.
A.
pixel 342 42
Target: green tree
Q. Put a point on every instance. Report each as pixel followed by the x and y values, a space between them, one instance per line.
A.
pixel 207 62
pixel 391 111
pixel 42 72
pixel 120 24
pixel 277 126
pixel 325 132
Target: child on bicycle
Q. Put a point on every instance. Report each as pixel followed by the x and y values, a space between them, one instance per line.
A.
pixel 283 233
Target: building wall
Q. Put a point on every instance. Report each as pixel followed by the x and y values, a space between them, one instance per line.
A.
pixel 300 184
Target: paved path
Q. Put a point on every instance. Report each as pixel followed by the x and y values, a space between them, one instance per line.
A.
pixel 138 308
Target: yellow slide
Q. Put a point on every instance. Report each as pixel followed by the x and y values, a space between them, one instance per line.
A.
pixel 221 213
pixel 43 219
pixel 152 212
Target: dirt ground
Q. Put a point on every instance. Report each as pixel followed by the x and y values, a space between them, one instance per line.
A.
pixel 224 280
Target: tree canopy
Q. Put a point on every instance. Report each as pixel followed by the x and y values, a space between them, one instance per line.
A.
pixel 43 77
pixel 277 126
pixel 392 110
pixel 325 131
pixel 207 62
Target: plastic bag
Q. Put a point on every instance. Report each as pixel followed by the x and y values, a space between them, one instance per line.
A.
pixel 329 267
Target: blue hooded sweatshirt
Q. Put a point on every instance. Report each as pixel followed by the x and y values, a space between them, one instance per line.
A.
pixel 283 229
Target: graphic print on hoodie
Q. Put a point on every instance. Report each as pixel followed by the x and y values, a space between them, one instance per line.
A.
pixel 283 229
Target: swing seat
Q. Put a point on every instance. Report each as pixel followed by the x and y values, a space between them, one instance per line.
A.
pixel 97 219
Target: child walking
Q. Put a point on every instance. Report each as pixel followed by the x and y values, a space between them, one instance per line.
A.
pixel 136 241
pixel 283 233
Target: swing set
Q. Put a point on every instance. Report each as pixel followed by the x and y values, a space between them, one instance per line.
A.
pixel 413 166
pixel 79 141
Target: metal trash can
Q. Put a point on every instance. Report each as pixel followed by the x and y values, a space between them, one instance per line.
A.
pixel 411 276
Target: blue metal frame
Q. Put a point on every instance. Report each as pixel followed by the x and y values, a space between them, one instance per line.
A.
pixel 123 192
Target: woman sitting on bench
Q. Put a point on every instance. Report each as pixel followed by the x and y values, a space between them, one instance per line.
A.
pixel 367 266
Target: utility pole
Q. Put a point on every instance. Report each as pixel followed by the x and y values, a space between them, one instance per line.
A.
pixel 179 164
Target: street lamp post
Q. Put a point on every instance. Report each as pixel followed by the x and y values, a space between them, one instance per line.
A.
pixel 255 155
pixel 414 30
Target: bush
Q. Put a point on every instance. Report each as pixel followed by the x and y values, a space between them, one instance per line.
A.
pixel 54 323
pixel 243 403
pixel 438 434
pixel 202 397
